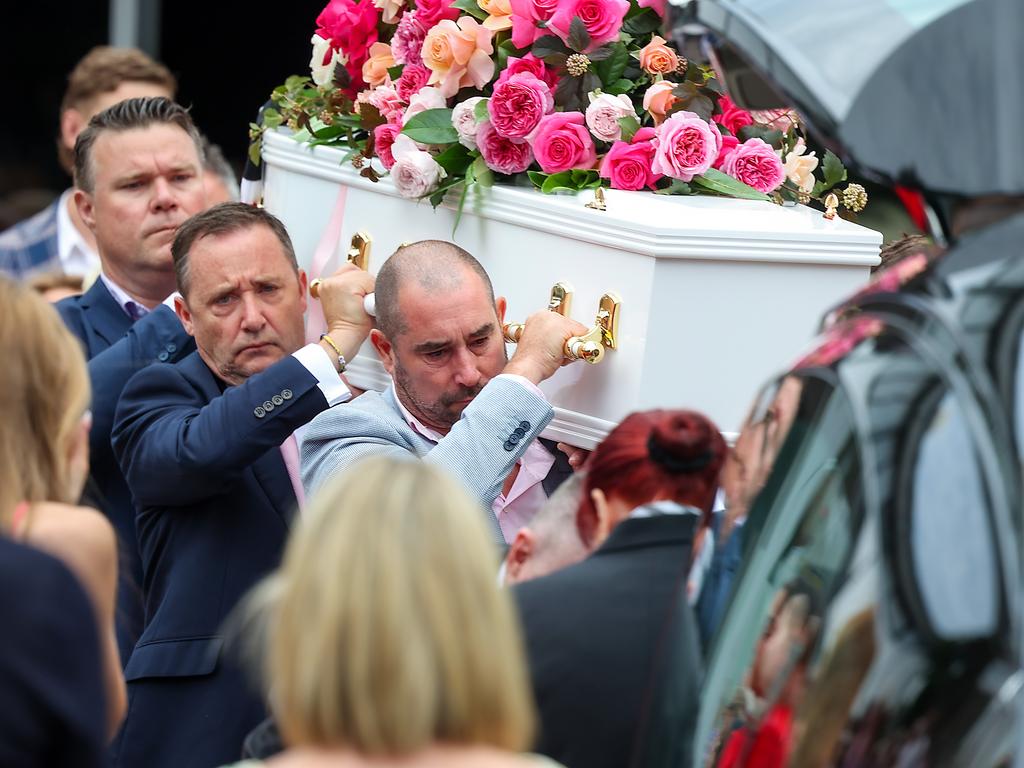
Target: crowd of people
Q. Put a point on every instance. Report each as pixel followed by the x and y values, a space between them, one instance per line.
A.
pixel 218 549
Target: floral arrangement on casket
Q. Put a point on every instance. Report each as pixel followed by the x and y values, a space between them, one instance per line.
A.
pixel 563 94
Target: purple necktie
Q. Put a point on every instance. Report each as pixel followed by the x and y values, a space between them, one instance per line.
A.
pixel 135 311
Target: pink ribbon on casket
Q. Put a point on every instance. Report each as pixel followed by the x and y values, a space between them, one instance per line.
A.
pixel 324 263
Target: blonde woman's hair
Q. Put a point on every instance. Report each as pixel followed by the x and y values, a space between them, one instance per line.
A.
pixel 45 387
pixel 387 631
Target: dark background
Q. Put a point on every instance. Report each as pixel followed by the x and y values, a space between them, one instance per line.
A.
pixel 227 56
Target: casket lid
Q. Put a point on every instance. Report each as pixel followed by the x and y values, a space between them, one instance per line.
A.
pixel 662 226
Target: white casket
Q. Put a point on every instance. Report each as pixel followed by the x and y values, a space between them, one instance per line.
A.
pixel 716 294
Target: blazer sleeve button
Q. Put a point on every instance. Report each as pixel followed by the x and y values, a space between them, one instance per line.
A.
pixel 258 412
pixel 163 356
pixel 286 394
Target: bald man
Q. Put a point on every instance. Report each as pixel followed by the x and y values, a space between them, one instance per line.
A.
pixel 456 399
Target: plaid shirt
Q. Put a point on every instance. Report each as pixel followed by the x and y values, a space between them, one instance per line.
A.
pixel 30 246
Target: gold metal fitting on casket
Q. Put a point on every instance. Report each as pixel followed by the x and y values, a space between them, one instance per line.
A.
pixel 590 346
pixel 359 252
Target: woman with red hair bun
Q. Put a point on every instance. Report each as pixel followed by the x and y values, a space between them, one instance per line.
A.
pixel 612 642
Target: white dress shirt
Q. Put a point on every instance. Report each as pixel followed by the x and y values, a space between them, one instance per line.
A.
pixel 76 256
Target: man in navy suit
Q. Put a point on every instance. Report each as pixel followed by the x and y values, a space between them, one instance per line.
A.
pixel 205 446
pixel 57 239
pixel 139 172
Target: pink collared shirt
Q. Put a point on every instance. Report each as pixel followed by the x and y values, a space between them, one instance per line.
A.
pixel 526 495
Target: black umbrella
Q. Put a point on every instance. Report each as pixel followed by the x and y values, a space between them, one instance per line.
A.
pixel 923 92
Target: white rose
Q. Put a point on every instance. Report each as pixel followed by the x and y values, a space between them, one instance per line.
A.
pixel 800 167
pixel 415 172
pixel 391 9
pixel 427 98
pixel 322 73
pixel 604 112
pixel 464 121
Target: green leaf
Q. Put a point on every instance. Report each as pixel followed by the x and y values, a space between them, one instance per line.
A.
pixel 254 154
pixel 610 69
pixel 556 182
pixel 433 126
pixel 677 187
pixel 643 23
pixel 272 118
pixel 579 37
pixel 537 178
pixel 329 132
pixel 471 7
pixel 556 60
pixel 568 96
pixel 833 170
pixel 480 112
pixel 455 160
pixel 584 179
pixel 600 54
pixel 766 133
pixel 395 72
pixel 481 173
pixel 619 87
pixel 462 204
pixel 723 184
pixel 547 45
pixel 629 125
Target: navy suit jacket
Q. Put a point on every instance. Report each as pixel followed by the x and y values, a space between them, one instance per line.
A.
pixel 157 337
pixel 52 707
pixel 95 318
pixel 214 503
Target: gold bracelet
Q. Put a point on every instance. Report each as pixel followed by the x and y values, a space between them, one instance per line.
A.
pixel 342 363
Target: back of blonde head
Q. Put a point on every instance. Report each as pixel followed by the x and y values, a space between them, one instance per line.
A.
pixel 388 632
pixel 46 390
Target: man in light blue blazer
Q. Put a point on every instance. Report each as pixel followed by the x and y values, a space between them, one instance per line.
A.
pixel 457 400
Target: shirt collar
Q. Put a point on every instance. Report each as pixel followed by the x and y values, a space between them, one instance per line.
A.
pixel 424 431
pixel 665 507
pixel 75 254
pixel 123 299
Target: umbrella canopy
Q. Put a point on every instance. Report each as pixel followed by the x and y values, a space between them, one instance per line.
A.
pixel 923 92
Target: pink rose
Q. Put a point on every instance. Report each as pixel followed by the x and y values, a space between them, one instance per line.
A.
pixel 407 42
pixel 628 165
pixel 352 29
pixel 533 65
pixel 518 104
pixel 604 113
pixel 685 146
pixel 424 99
pixel 430 12
pixel 657 5
pixel 415 172
pixel 414 77
pixel 729 143
pixel 502 154
pixel 562 141
pixel 755 163
pixel 383 137
pixel 525 15
pixel 464 121
pixel 732 117
pixel 602 18
pixel 458 55
pixel 385 99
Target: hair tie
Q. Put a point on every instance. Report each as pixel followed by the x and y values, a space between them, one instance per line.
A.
pixel 674 464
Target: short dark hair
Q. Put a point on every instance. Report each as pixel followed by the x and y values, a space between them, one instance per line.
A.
pixel 219 220
pixel 125 116
pixel 432 264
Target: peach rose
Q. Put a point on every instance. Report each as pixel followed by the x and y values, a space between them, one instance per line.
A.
pixel 499 14
pixel 659 100
pixel 799 167
pixel 458 55
pixel 657 58
pixel 375 68
pixel 391 9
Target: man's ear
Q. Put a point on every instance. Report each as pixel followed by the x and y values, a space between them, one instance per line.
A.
pixel 519 553
pixel 72 122
pixel 182 310
pixel 83 202
pixel 500 305
pixel 385 350
pixel 303 288
pixel 604 517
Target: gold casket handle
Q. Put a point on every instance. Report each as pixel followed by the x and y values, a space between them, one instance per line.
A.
pixel 358 255
pixel 590 346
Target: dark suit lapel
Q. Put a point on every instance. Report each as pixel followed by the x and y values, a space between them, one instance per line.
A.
pixel 105 318
pixel 270 471
pixel 560 470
